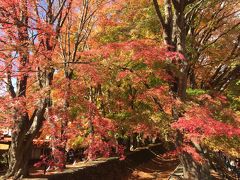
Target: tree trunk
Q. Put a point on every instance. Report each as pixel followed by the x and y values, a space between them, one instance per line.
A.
pixel 24 130
pixel 19 155
pixel 193 169
pixel 192 79
pixel 20 149
pixel 91 114
pixel 182 83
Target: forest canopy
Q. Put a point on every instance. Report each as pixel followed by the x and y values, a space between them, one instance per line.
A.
pixel 86 73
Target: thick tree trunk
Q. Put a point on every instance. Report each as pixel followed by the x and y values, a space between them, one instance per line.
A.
pixel 20 149
pixel 19 155
pixel 22 136
pixel 193 169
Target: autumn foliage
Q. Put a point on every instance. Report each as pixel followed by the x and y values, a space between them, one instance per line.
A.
pixel 91 74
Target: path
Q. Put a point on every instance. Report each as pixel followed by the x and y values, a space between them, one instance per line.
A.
pixel 157 168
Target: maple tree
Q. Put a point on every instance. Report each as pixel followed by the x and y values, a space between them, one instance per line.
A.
pixel 29 30
pixel 186 28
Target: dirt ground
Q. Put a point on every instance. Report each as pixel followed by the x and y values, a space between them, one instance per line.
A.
pixel 142 164
pixel 147 163
pixel 157 168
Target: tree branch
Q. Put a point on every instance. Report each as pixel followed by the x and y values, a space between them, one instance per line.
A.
pixel 159 14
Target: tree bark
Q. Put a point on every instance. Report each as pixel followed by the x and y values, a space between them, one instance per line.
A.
pixel 19 155
pixel 22 137
pixel 20 149
pixel 174 35
pixel 193 169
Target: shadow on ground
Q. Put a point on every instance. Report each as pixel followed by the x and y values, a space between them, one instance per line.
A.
pixel 145 163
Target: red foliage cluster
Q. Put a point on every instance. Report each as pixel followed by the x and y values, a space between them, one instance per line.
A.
pixel 99 147
pixel 55 160
pixel 146 50
pixel 147 130
pixel 185 148
pixel 199 122
pixel 101 139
